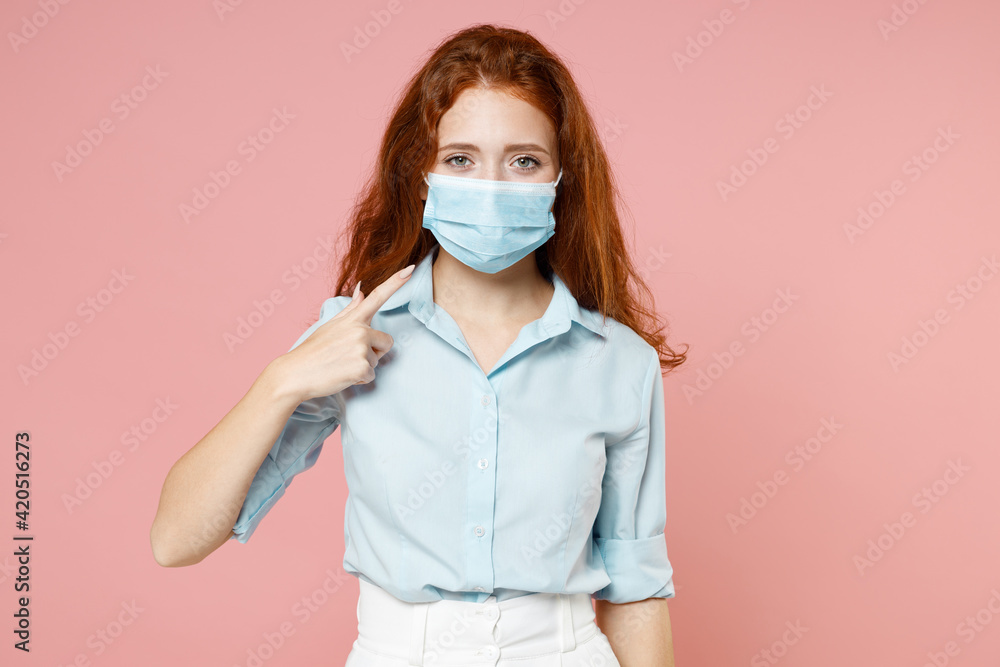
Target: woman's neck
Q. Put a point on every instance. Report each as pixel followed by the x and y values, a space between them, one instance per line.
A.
pixel 519 293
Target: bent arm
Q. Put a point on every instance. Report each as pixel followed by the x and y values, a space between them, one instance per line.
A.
pixel 205 489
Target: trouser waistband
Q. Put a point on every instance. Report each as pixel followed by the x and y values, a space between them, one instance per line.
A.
pixel 454 632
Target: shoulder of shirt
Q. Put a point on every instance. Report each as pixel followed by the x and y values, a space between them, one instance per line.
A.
pixel 332 306
pixel 628 347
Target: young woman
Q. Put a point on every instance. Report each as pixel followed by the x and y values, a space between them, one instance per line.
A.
pixel 498 386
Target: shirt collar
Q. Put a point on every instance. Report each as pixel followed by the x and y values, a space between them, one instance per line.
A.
pixel 417 294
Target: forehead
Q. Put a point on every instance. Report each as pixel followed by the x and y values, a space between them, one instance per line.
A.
pixel 493 116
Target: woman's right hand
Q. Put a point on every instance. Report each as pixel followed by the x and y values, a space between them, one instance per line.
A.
pixel 345 350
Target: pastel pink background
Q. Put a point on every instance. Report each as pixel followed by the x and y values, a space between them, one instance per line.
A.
pixel 673 134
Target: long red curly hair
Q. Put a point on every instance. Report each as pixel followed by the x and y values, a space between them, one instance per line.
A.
pixel 386 233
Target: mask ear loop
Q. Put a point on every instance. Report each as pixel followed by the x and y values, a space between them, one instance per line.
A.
pixel 554 185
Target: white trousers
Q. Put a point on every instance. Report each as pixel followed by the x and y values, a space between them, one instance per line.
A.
pixel 536 630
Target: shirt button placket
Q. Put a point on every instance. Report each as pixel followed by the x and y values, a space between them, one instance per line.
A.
pixel 481 490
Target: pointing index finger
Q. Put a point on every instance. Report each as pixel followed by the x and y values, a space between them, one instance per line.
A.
pixel 378 296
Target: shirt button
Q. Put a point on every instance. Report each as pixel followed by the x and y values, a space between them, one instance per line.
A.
pixel 491 613
pixel 486 399
pixel 483 463
pixel 480 589
pixel 480 531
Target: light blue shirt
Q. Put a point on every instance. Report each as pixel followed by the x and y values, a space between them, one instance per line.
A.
pixel 544 475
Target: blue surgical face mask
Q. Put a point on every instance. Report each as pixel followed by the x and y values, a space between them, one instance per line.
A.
pixel 489 225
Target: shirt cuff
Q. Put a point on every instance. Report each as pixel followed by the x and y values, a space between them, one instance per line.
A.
pixel 639 569
pixel 267 477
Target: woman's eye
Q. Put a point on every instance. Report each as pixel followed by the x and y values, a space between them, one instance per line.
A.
pixel 523 163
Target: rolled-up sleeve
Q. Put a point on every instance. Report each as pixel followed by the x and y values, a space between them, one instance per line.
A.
pixel 630 524
pixel 296 449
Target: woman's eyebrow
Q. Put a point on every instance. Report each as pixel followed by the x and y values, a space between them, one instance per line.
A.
pixel 509 148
